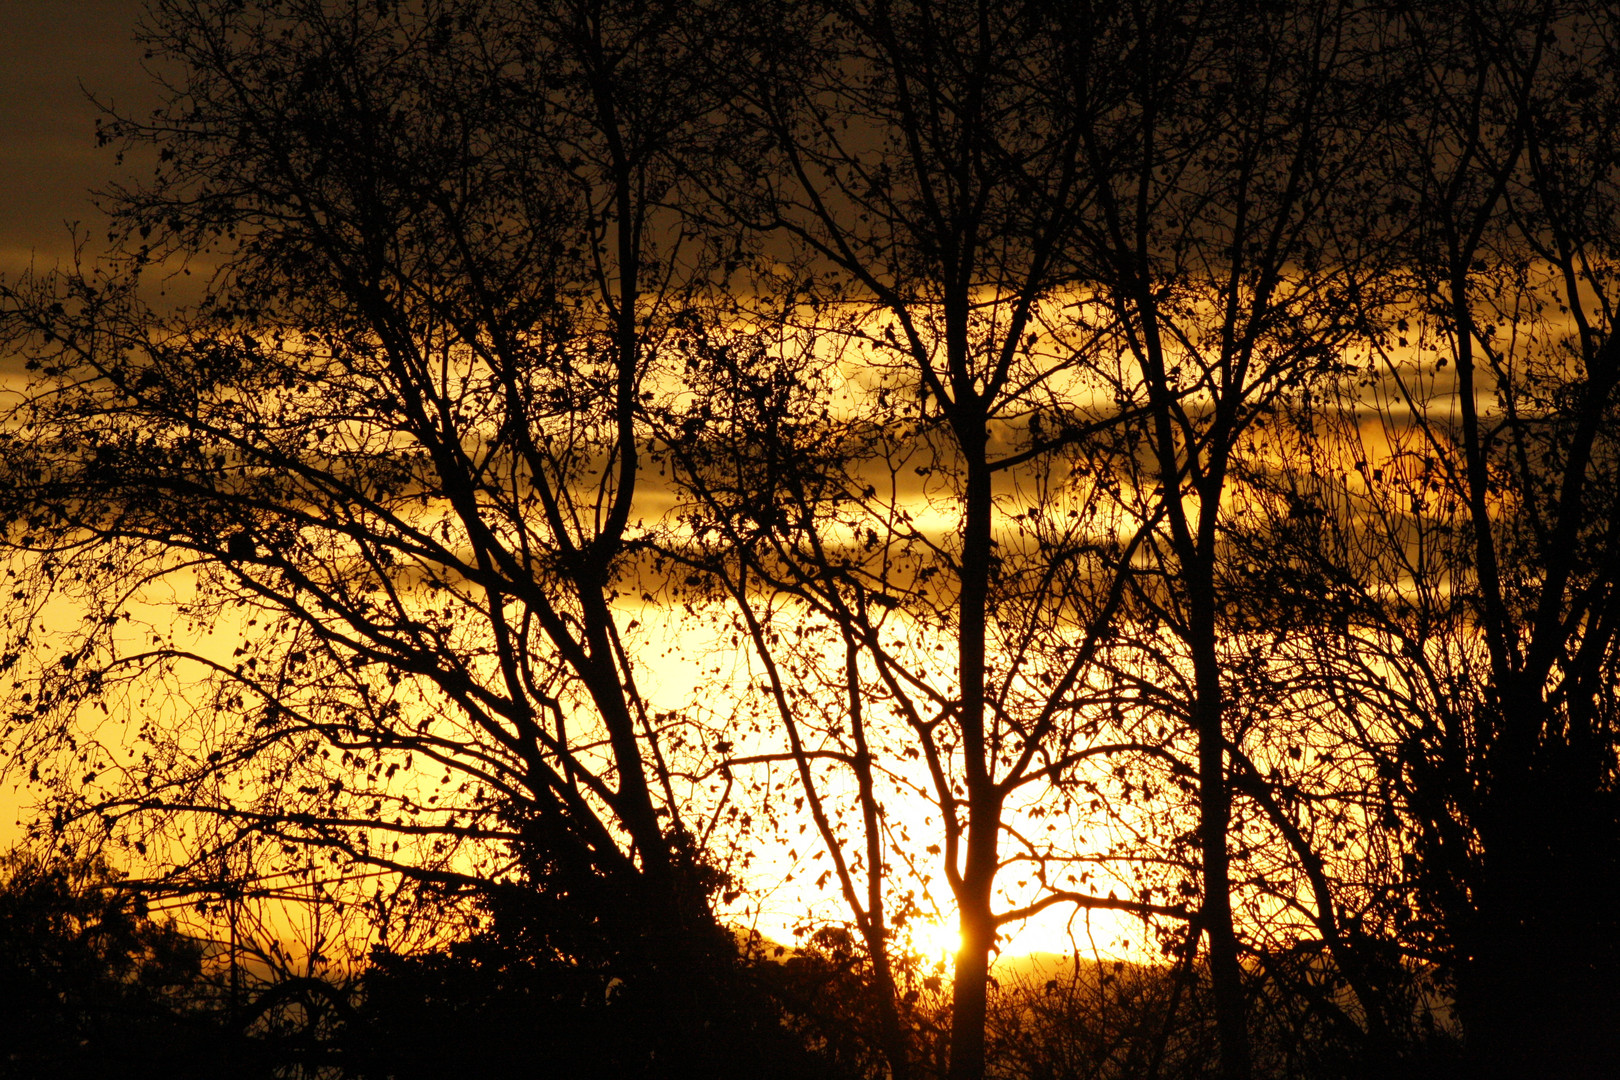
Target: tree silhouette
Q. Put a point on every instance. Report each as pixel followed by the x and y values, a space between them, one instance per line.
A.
pixel 90 984
pixel 1477 575
pixel 391 455
pixel 919 167
pixel 1168 446
pixel 1223 244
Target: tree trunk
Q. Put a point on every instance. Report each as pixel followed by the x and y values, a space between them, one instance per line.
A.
pixel 1215 812
pixel 973 893
pixel 970 987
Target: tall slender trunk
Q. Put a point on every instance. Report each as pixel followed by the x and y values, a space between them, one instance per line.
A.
pixel 970 987
pixel 1214 800
pixel 1196 552
pixel 973 893
pixel 1215 812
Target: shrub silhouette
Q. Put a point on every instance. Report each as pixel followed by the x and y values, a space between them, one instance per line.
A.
pixel 90 984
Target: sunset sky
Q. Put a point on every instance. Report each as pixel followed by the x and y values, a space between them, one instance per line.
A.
pixel 51 55
pixel 529 512
pixel 54 58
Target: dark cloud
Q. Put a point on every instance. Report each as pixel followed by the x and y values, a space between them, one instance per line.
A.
pixel 53 55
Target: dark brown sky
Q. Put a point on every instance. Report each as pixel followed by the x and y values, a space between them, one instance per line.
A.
pixel 51 53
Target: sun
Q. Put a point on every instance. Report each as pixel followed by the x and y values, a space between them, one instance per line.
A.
pixel 935 940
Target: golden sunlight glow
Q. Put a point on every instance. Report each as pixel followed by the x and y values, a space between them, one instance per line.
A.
pixel 933 941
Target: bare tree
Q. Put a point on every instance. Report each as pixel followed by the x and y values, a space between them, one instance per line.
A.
pixel 898 493
pixel 348 536
pixel 1472 539
pixel 1077 425
pixel 1232 243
